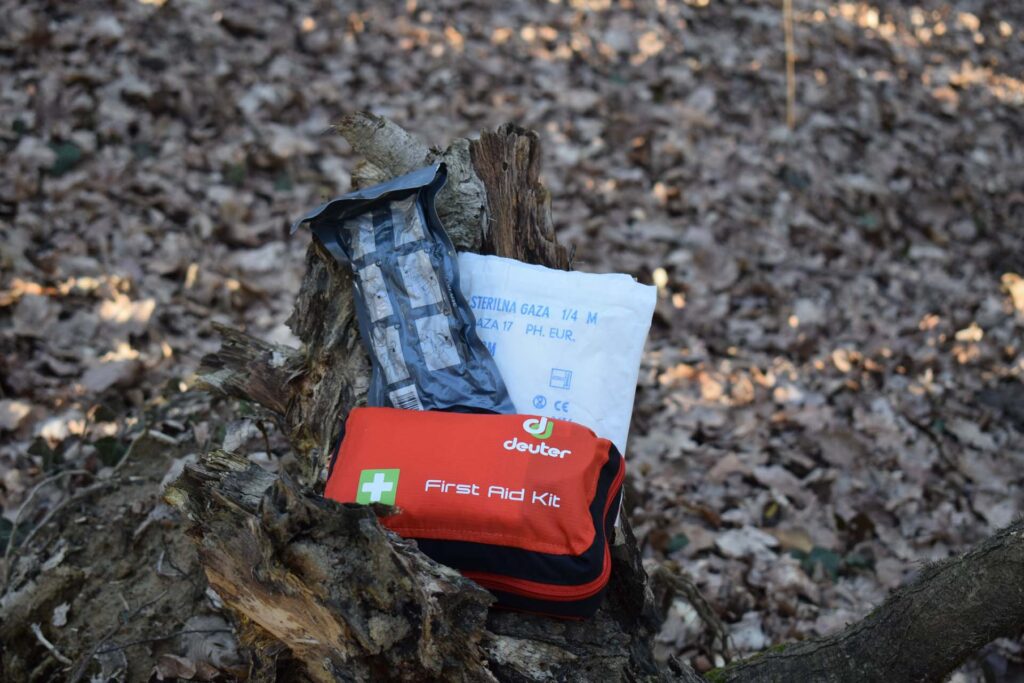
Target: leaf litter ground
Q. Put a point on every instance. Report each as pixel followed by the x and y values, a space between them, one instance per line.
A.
pixel 832 392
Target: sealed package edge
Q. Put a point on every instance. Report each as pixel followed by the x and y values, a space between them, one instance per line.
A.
pixel 413 318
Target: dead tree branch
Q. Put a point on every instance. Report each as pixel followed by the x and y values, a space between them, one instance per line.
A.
pixel 922 632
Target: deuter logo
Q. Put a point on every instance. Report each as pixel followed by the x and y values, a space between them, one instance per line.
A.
pixel 540 428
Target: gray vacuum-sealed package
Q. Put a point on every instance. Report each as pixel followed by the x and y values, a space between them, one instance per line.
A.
pixel 413 318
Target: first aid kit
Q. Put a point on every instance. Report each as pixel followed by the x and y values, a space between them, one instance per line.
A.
pixel 414 321
pixel 568 344
pixel 522 504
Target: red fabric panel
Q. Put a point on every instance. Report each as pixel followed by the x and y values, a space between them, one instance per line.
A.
pixel 495 479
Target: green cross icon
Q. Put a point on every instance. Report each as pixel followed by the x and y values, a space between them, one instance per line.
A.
pixel 377 486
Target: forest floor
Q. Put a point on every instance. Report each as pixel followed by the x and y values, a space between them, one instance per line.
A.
pixel 833 388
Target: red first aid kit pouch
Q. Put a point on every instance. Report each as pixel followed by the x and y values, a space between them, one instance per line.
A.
pixel 522 505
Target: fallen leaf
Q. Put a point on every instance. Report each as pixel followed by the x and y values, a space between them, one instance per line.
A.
pixel 105 374
pixel 173 667
pixel 748 634
pixel 60 614
pixel 970 433
pixel 793 539
pixel 730 464
pixel 13 413
pixel 747 541
pixel 1014 285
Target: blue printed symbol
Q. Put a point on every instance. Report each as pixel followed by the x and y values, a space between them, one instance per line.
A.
pixel 560 379
pixel 539 401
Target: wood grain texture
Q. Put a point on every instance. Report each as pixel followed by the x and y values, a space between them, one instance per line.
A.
pixel 346 598
pixel 519 222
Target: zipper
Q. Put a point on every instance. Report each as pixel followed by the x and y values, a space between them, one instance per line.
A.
pixel 545 591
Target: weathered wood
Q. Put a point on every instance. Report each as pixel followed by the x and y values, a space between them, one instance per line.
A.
pixel 921 632
pixel 336 368
pixel 349 599
pixel 277 366
pixel 390 151
pixel 387 146
pixel 519 206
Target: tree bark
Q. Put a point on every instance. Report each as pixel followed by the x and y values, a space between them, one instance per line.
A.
pixel 921 632
pixel 519 218
pixel 347 598
pixel 324 590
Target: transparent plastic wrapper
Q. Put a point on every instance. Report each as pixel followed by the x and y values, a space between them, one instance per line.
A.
pixel 413 319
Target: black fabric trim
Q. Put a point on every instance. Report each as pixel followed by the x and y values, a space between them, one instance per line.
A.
pixel 530 565
pixel 583 608
pixel 579 609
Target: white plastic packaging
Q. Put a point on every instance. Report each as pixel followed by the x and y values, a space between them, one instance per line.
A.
pixel 568 344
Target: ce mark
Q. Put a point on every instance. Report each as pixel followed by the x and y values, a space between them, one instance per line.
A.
pixel 562 406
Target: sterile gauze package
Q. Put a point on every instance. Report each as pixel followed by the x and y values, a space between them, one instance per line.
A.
pixel 414 322
pixel 568 344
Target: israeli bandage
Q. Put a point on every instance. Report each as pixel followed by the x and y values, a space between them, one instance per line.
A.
pixel 413 319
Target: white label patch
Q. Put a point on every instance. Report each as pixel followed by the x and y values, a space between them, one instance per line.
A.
pixel 406 398
pixel 388 349
pixel 436 342
pixel 361 234
pixel 375 291
pixel 568 344
pixel 420 281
